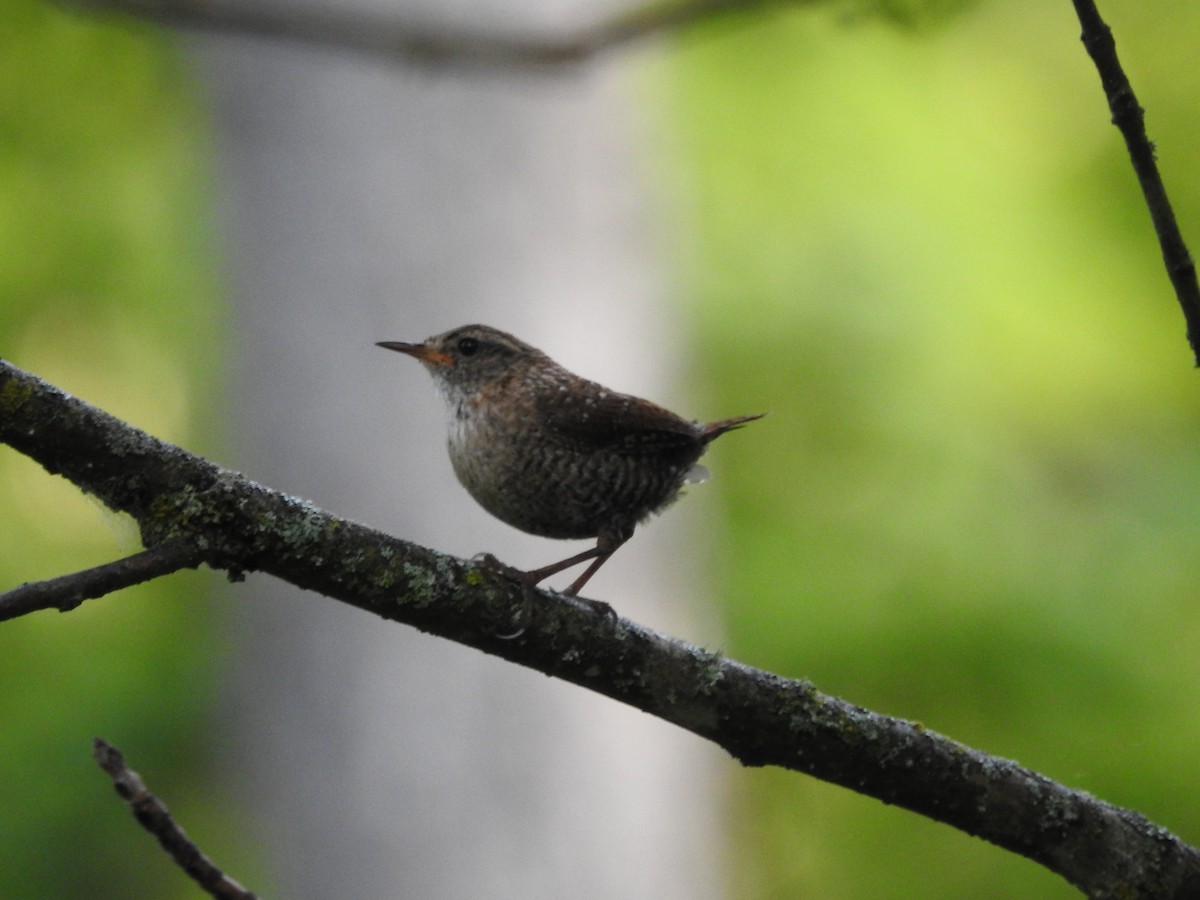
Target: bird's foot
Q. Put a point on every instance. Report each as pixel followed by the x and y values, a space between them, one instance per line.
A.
pixel 490 562
pixel 599 606
pixel 525 617
pixel 529 580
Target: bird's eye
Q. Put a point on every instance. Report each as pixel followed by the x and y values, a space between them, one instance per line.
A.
pixel 468 346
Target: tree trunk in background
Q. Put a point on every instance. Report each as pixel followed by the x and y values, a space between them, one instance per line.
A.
pixel 364 201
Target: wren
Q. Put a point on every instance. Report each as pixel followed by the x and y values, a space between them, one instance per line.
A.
pixel 554 454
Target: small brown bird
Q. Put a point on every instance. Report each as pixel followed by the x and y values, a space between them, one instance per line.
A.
pixel 554 454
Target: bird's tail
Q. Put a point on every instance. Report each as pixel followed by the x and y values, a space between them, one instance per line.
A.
pixel 714 430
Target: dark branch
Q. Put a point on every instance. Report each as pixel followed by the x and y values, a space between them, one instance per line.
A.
pixel 68 591
pixel 759 718
pixel 153 815
pixel 1128 116
pixel 349 30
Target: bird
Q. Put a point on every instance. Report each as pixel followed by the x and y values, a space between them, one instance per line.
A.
pixel 554 454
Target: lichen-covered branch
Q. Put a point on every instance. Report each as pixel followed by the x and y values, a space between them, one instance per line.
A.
pixel 761 719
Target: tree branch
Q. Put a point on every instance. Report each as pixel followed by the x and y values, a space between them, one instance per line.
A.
pixel 68 591
pixel 1129 117
pixel 384 37
pixel 759 718
pixel 153 815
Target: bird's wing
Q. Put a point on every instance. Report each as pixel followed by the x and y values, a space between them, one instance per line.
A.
pixel 600 418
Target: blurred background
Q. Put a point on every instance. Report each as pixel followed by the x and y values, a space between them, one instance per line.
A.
pixel 907 231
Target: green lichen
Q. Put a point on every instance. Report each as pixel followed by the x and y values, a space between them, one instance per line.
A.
pixel 422 583
pixel 305 528
pixel 14 395
pixel 125 441
pixel 711 672
pixel 170 515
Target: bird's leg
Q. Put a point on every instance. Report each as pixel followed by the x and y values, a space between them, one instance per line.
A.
pixel 606 545
pixel 532 577
pixel 598 605
pixel 535 576
pixel 600 559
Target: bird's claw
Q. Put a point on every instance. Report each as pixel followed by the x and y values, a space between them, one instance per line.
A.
pixel 601 607
pixel 529 581
pixel 488 561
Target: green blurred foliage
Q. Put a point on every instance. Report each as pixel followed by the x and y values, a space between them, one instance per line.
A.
pixel 921 248
pixel 105 271
pixel 975 502
pixel 909 14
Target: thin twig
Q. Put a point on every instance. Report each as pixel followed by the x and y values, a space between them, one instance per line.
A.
pixel 153 815
pixel 351 30
pixel 68 591
pixel 1129 117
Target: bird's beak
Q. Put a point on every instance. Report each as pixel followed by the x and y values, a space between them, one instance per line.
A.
pixel 422 352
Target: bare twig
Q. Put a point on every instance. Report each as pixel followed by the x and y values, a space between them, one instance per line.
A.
pixel 1129 117
pixel 153 815
pixel 68 591
pixel 759 718
pixel 349 30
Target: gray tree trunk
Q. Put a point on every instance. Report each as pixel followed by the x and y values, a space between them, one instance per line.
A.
pixel 362 201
